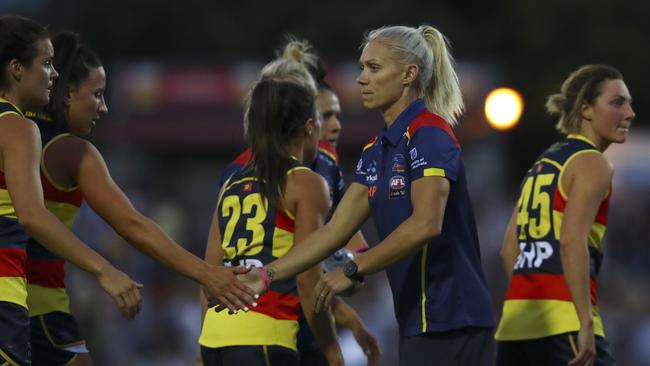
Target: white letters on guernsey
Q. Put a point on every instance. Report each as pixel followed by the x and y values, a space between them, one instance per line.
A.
pixel 250 262
pixel 534 256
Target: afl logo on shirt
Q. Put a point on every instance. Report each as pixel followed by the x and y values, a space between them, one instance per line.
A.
pixel 397 187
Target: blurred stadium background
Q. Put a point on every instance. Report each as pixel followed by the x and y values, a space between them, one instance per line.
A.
pixel 177 72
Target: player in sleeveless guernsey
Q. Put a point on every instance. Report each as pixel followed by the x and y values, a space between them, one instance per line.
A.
pixel 71 170
pixel 306 69
pixel 263 209
pixel 14 322
pixel 411 179
pixel 326 165
pixel 26 74
pixel 553 248
pixel 55 336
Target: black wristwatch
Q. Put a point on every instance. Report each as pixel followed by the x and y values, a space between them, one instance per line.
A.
pixel 350 271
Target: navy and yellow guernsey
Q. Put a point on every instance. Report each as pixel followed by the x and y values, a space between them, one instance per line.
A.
pixel 442 286
pixel 45 270
pixel 13 239
pixel 326 165
pixel 53 329
pixel 538 302
pixel 14 321
pixel 254 233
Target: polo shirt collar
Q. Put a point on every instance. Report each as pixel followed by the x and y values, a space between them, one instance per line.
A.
pixel 396 130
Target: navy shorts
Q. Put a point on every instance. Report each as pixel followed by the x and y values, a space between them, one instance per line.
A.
pixel 14 335
pixel 249 356
pixel 549 351
pixel 469 346
pixel 54 336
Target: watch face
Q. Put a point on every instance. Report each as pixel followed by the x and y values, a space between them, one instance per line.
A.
pixel 350 269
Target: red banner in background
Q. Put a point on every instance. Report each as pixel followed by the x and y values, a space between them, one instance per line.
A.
pixel 173 105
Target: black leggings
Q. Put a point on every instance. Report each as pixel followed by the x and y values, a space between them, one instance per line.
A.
pixel 249 356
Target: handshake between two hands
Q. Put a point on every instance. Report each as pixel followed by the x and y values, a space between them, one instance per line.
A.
pixel 237 288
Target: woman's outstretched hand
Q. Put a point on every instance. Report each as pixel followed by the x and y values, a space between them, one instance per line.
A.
pixel 122 289
pixel 223 289
pixel 250 281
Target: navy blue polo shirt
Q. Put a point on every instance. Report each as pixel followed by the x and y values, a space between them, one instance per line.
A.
pixel 442 286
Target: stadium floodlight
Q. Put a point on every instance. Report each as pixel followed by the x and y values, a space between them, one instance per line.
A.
pixel 503 108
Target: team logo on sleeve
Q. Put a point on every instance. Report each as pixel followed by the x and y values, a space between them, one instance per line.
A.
pixel 415 161
pixel 397 187
pixel 399 163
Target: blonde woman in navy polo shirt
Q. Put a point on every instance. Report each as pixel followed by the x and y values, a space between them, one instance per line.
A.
pixel 411 179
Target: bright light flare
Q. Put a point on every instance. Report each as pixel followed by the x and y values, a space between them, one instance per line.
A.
pixel 503 108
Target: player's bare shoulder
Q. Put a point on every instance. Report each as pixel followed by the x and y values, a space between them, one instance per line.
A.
pixel 304 182
pixel 592 164
pixel 14 127
pixel 70 145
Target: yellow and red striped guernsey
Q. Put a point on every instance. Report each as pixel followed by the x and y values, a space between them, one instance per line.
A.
pixel 13 239
pixel 538 302
pixel 45 270
pixel 253 232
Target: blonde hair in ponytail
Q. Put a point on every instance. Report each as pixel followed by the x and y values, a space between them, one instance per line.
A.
pixel 442 93
pixel 426 47
pixel 292 65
